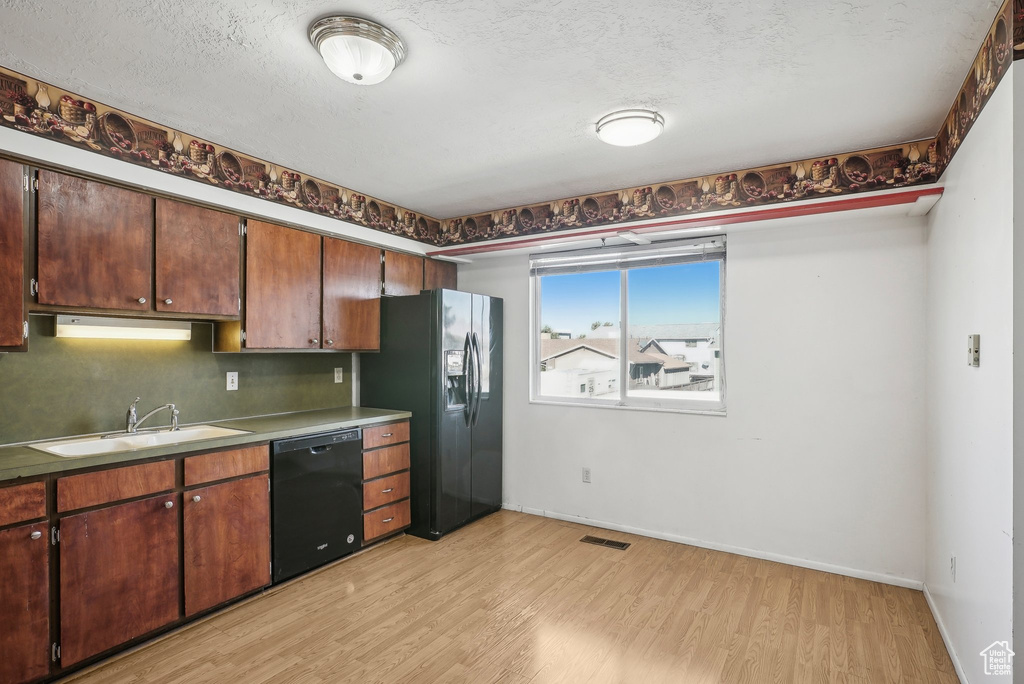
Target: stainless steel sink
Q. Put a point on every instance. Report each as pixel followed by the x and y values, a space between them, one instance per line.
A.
pixel 112 444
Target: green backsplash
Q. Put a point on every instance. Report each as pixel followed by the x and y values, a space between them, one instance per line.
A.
pixel 72 386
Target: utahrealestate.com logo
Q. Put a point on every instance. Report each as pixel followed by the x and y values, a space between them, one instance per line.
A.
pixel 998 659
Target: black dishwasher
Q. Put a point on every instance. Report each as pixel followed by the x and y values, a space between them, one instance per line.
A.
pixel 316 500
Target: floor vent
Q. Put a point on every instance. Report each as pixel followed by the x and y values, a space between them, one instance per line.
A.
pixel 610 543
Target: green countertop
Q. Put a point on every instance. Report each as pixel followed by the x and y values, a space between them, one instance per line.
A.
pixel 22 460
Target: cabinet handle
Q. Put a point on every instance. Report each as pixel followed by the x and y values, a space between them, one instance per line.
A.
pixel 314 341
pixel 330 343
pixel 197 498
pixel 168 301
pixel 388 490
pixel 36 535
pixel 387 434
pixel 168 504
pixel 387 520
pixel 142 300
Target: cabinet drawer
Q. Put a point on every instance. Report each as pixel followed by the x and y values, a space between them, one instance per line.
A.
pixel 386 520
pixel 23 502
pixel 383 435
pixel 385 461
pixel 224 464
pixel 106 486
pixel 385 490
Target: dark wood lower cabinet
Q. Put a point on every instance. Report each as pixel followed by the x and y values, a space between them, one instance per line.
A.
pixel 119 575
pixel 227 541
pixel 24 603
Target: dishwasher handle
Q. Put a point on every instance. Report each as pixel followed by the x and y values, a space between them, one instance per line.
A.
pixel 321 449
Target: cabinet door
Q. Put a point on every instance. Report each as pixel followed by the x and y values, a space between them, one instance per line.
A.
pixel 351 295
pixel 403 274
pixel 24 603
pixel 440 274
pixel 119 575
pixel 227 542
pixel 95 244
pixel 197 260
pixel 282 288
pixel 12 254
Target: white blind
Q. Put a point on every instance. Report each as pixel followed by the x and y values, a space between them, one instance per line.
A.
pixel 667 253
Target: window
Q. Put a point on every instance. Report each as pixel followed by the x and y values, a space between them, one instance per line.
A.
pixel 661 303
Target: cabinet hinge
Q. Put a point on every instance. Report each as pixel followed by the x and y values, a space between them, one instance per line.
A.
pixel 243 336
pixel 25 331
pixel 239 305
pixel 35 184
pixel 54 652
pixel 33 287
pixel 54 536
pixel 25 177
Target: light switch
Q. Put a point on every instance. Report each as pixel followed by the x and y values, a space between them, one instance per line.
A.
pixel 974 350
pixel 339 375
pixel 232 380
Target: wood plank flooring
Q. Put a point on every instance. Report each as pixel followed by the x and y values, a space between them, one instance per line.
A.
pixel 518 599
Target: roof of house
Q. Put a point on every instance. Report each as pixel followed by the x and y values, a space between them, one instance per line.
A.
pixel 607 347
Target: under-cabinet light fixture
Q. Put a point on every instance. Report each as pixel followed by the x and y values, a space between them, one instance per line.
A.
pixel 97 328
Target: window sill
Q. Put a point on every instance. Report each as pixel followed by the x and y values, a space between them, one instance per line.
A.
pixel 703 411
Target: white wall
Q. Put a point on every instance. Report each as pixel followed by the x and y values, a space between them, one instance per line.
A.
pixel 822 467
pixel 970 410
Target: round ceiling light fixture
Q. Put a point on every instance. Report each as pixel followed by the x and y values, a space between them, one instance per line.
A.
pixel 630 127
pixel 357 50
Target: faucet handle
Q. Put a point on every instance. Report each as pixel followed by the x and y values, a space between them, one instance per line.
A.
pixel 174 419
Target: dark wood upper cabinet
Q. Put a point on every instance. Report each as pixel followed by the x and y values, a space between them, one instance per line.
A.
pixel 119 575
pixel 95 244
pixel 197 260
pixel 227 542
pixel 440 275
pixel 282 288
pixel 351 296
pixel 403 274
pixel 12 254
pixel 24 603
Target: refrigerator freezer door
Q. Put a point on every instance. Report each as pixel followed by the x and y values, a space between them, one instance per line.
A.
pixel 454 466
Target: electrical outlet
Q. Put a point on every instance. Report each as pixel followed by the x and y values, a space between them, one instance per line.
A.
pixel 339 375
pixel 586 475
pixel 952 568
pixel 232 378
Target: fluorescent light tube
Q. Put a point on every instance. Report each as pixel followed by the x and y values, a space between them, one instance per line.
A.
pixel 97 328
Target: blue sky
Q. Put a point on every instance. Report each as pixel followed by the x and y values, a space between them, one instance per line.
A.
pixel 687 293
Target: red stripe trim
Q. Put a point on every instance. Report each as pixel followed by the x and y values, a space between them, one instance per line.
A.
pixel 786 211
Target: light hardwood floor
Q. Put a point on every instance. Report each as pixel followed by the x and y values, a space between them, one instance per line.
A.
pixel 516 598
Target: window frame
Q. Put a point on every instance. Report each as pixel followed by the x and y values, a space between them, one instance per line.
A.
pixel 625 402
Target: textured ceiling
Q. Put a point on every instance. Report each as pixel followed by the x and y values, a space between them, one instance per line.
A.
pixel 496 101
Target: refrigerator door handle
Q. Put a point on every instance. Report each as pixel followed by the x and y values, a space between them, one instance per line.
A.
pixel 468 356
pixel 479 389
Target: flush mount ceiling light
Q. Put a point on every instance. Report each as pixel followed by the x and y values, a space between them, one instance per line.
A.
pixel 357 50
pixel 630 127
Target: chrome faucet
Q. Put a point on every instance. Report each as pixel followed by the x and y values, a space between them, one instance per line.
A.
pixel 132 420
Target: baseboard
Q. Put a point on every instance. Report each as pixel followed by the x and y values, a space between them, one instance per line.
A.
pixel 752 553
pixel 945 635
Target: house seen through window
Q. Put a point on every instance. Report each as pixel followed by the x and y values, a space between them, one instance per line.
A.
pixel 636 327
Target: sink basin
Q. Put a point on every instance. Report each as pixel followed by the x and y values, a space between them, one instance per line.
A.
pixel 91 446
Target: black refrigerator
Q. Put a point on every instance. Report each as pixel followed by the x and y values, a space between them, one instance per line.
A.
pixel 441 358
